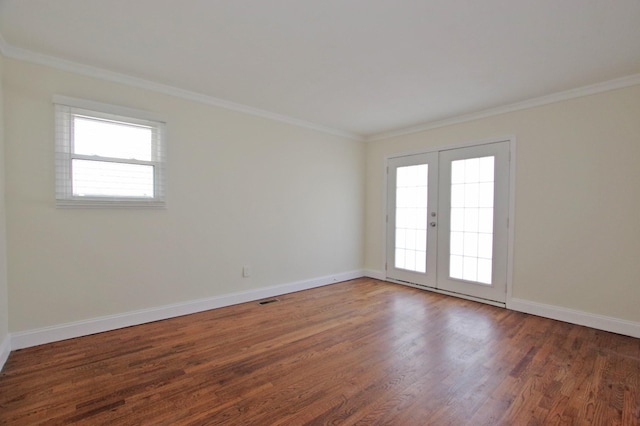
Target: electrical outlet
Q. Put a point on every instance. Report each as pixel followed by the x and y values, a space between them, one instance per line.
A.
pixel 246 271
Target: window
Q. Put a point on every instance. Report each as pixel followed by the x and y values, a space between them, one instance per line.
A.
pixel 107 156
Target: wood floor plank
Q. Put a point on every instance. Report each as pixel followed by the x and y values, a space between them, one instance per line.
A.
pixel 362 352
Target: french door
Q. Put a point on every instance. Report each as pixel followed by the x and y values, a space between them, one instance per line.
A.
pixel 447 220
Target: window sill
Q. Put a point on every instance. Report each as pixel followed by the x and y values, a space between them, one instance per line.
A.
pixel 111 203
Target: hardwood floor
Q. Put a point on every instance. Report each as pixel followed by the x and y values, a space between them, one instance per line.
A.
pixel 361 352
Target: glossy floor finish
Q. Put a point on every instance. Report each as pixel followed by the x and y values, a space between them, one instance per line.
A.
pixel 361 352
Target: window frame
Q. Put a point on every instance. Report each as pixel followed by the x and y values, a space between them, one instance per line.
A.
pixel 66 109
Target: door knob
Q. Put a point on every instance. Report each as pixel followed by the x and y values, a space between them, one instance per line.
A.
pixel 433 224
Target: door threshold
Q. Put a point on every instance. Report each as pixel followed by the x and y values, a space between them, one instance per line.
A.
pixel 448 293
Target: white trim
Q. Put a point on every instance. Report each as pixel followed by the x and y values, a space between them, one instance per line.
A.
pixel 29 56
pixel 467 144
pixel 66 110
pixel 378 275
pixel 600 322
pixel 511 234
pixel 511 139
pixel 115 77
pixel 101 108
pixel 25 339
pixel 110 203
pixel 5 350
pixel 447 293
pixel 44 335
pixel 619 83
pixel 385 214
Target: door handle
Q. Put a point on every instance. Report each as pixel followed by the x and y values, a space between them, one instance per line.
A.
pixel 433 224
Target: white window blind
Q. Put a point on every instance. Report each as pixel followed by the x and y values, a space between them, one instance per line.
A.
pixel 108 156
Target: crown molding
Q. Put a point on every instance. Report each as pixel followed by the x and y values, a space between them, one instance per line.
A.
pixel 29 56
pixel 115 77
pixel 619 83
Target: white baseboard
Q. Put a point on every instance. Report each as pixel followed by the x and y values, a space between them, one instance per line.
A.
pixel 601 322
pixel 59 332
pixel 5 350
pixel 25 339
pixel 378 275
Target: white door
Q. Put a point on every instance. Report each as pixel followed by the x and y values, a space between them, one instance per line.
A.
pixel 448 220
pixel 412 206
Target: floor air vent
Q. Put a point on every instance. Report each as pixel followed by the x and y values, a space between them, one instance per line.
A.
pixel 267 302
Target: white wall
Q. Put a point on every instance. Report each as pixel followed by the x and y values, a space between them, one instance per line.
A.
pixel 241 190
pixel 291 202
pixel 577 232
pixel 4 307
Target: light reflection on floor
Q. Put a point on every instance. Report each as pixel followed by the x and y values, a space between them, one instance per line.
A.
pixel 416 325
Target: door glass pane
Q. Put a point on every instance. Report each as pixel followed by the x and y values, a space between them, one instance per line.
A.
pixel 471 236
pixel 411 217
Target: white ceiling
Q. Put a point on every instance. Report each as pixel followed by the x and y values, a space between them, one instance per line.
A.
pixel 359 66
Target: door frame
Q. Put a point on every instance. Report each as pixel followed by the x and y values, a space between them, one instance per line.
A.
pixel 511 212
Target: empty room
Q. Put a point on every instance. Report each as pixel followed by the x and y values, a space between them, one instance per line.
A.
pixel 279 212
